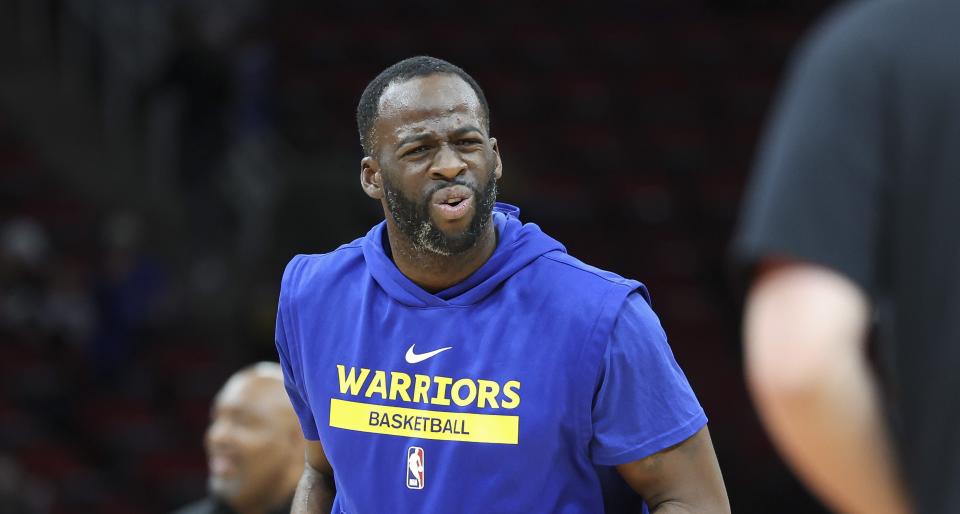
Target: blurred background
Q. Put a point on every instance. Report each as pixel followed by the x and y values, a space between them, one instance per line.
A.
pixel 161 160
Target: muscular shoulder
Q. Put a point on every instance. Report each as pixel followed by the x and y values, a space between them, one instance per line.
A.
pixel 578 274
pixel 311 273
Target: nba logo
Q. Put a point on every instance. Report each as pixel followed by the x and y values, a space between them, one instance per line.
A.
pixel 415 467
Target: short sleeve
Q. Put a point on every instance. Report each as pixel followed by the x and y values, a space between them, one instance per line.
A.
pixel 819 175
pixel 291 380
pixel 644 403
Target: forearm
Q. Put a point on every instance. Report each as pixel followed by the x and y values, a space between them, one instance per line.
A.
pixel 833 433
pixel 805 328
pixel 673 508
pixel 314 493
pixel 682 507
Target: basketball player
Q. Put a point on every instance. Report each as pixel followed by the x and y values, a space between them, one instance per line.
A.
pixel 852 218
pixel 457 338
pixel 254 446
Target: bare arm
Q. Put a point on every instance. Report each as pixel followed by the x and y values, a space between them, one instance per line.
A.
pixel 683 479
pixel 805 329
pixel 315 490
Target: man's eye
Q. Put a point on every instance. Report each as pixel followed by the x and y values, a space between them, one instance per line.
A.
pixel 416 150
pixel 468 142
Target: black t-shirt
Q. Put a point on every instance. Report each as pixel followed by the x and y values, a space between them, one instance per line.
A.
pixel 860 172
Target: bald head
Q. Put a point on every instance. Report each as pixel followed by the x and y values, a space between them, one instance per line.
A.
pixel 265 369
pixel 259 387
pixel 257 390
pixel 254 443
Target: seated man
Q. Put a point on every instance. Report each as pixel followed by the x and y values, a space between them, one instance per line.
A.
pixel 254 446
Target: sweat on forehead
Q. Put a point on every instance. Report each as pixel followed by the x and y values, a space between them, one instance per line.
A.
pixel 427 97
pixel 368 109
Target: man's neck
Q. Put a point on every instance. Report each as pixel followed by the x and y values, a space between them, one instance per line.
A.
pixel 434 272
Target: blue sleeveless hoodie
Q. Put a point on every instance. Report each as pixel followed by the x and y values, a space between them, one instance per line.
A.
pixel 474 399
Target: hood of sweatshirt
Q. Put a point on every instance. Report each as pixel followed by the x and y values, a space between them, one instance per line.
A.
pixel 518 244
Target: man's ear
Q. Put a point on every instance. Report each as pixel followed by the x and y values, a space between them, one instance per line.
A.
pixel 496 150
pixel 370 178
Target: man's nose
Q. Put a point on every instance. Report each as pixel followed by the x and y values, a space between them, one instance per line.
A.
pixel 217 434
pixel 447 164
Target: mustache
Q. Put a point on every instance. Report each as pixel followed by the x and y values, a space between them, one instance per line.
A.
pixel 450 183
pixel 424 203
pixel 455 182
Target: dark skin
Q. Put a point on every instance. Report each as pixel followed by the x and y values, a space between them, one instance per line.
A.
pixel 432 129
pixel 315 491
pixel 683 479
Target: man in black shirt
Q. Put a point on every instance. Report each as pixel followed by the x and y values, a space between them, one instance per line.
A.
pixel 255 450
pixel 852 218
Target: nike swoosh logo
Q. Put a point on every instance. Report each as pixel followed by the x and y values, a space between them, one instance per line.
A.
pixel 414 358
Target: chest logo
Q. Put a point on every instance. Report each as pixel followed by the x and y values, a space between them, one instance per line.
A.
pixel 413 357
pixel 415 464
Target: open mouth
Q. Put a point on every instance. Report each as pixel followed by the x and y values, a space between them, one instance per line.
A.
pixel 221 465
pixel 453 202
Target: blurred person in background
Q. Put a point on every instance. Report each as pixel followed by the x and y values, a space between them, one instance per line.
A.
pixel 130 290
pixel 24 259
pixel 254 446
pixel 852 219
pixel 467 320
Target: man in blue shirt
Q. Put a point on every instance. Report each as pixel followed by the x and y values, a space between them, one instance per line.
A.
pixel 455 359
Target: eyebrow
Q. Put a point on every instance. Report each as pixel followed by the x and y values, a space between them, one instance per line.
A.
pixel 427 135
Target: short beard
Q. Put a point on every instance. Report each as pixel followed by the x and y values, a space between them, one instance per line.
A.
pixel 415 223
